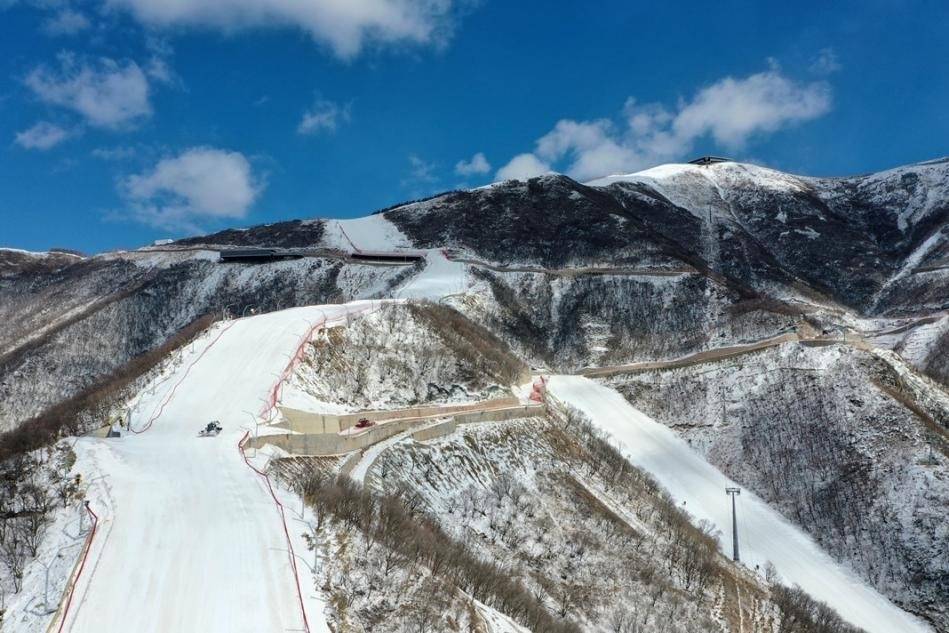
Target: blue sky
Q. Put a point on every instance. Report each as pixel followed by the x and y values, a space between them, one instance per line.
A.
pixel 125 121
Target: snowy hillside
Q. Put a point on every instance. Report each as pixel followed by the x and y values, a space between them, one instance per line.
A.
pixel 764 535
pixel 392 456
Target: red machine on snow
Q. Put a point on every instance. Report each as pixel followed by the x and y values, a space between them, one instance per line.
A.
pixel 364 423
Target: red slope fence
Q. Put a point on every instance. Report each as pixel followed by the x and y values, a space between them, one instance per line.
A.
pixel 283 519
pixel 273 395
pixel 171 393
pixel 71 585
pixel 273 398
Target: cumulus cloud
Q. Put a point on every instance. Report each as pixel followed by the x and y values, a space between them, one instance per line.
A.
pixel 200 184
pixel 42 136
pixel 346 26
pixel 826 62
pixel 105 92
pixel 66 22
pixel 522 167
pixel 731 112
pixel 420 171
pixel 324 116
pixel 477 165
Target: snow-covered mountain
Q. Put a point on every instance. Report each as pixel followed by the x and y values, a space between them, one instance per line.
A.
pixel 793 331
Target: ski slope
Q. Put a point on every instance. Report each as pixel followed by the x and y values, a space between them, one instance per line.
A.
pixel 441 276
pixel 763 534
pixel 193 540
pixel 371 233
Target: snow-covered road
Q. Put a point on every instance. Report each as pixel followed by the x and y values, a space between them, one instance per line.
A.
pixel 193 541
pixel 764 535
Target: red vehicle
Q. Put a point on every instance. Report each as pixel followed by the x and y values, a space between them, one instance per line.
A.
pixel 364 423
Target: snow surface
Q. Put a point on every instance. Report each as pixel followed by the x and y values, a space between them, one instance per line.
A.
pixel 702 189
pixel 921 200
pixel 369 456
pixel 371 233
pixel 440 278
pixel 20 251
pixel 763 534
pixel 192 540
pixel 496 621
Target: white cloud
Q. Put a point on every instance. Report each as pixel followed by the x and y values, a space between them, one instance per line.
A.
pixel 522 167
pixel 731 112
pixel 117 153
pixel 826 62
pixel 157 68
pixel 346 26
pixel 42 136
pixel 107 93
pixel 202 183
pixel 591 143
pixel 476 166
pixel 421 172
pixel 66 22
pixel 323 116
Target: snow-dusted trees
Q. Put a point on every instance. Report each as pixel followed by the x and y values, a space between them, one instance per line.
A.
pixel 420 543
pixel 66 485
pixel 826 436
pixel 408 355
pixel 802 614
pixel 31 484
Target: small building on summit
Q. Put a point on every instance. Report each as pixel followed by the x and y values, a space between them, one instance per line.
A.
pixel 705 161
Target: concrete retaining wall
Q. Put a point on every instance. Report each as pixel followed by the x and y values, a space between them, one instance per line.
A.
pixel 336 444
pixel 435 431
pixel 300 421
pixel 500 415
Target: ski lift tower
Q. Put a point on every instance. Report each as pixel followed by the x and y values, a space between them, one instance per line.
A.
pixel 733 492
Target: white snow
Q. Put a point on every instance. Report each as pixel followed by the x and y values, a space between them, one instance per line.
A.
pixel 675 173
pixel 440 278
pixel 763 534
pixel 146 258
pixel 38 254
pixel 20 251
pixel 371 233
pixel 369 456
pixel 193 540
pixel 496 621
pixel 913 260
pixel 919 201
